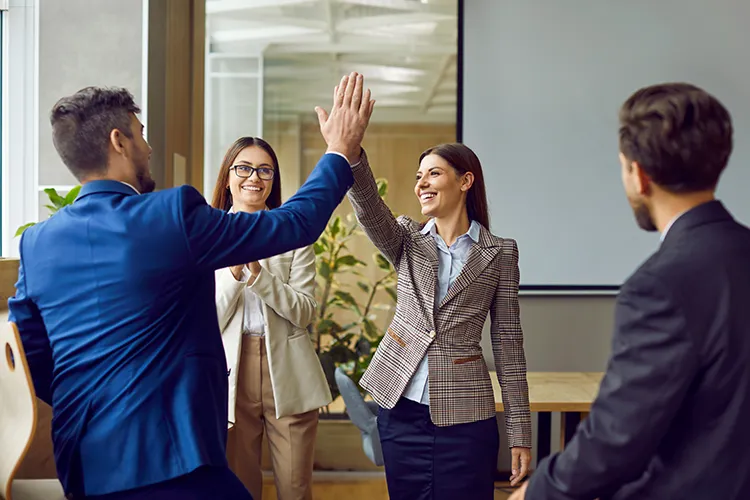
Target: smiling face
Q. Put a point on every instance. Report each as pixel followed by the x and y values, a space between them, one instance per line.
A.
pixel 251 193
pixel 440 191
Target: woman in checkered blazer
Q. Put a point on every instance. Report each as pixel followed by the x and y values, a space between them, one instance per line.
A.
pixel 437 420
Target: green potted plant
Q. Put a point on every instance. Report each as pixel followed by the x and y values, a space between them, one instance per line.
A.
pixel 349 344
pixel 57 201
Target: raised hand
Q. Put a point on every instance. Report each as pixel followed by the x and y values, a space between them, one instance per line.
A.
pixel 344 128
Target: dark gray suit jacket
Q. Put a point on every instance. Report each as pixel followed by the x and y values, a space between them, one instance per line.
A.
pixel 672 418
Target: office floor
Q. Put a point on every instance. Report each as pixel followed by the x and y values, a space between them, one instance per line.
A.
pixel 367 489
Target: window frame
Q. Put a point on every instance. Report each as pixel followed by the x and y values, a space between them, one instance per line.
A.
pixel 20 143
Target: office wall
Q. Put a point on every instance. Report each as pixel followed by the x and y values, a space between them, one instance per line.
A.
pixel 543 83
pixel 163 68
pixel 74 53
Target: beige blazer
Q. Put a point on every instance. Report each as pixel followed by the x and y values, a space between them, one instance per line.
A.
pixel 285 286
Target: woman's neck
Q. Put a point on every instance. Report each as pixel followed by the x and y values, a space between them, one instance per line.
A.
pixel 452 226
pixel 237 207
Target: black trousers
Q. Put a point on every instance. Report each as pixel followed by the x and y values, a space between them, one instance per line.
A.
pixel 427 462
pixel 204 483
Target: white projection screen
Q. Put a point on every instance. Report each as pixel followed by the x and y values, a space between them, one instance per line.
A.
pixel 540 86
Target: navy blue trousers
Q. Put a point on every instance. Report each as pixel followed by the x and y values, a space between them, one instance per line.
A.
pixel 204 483
pixel 427 462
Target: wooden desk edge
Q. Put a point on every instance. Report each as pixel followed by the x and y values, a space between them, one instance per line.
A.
pixel 552 407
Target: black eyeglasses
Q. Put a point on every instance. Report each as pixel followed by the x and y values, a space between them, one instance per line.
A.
pixel 244 171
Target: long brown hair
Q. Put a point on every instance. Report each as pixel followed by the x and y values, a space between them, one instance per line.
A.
pixel 222 196
pixel 463 160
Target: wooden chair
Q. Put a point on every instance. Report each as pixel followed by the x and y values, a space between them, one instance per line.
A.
pixel 18 415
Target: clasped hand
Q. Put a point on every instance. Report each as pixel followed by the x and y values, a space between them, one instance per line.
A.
pixel 253 267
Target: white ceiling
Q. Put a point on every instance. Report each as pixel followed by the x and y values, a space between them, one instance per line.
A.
pixel 405 48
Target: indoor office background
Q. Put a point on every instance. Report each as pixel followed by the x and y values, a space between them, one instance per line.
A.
pixel 208 71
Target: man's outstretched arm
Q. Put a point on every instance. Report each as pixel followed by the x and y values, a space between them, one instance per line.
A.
pixel 217 239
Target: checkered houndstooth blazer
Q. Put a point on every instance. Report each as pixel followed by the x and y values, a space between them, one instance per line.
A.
pixel 459 381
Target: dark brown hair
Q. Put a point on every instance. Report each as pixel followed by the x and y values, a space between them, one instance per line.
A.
pixel 679 134
pixel 222 196
pixel 463 160
pixel 82 124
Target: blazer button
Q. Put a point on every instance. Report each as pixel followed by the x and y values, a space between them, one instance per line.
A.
pixel 432 334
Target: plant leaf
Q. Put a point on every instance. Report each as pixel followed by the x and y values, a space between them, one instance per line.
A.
pixel 370 330
pixel 318 247
pixel 23 228
pixel 324 269
pixel 328 327
pixel 55 198
pixel 363 286
pixel 348 260
pixel 335 226
pixel 72 195
pixel 382 187
pixel 382 262
pixel 392 292
pixel 347 298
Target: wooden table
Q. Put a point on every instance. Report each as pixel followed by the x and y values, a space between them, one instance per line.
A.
pixel 569 393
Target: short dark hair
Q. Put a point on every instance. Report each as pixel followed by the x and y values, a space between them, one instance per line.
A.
pixel 679 134
pixel 82 123
pixel 463 160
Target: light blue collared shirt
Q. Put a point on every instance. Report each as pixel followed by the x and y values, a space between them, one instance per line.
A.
pixel 450 262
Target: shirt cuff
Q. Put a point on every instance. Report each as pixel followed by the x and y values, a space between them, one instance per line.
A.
pixel 344 157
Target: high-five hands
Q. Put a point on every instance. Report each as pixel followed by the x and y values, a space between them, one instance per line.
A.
pixel 344 127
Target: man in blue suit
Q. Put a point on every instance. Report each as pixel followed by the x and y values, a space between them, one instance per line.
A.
pixel 115 301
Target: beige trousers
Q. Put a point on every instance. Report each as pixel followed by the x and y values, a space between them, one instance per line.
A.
pixel 291 439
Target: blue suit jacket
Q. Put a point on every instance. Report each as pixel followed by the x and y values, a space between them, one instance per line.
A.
pixel 115 306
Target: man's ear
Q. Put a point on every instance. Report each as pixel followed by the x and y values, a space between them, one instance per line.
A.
pixel 116 140
pixel 642 180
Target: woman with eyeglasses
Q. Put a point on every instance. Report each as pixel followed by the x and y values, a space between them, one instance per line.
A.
pixel 276 383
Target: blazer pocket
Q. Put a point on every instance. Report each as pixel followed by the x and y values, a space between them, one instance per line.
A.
pixel 461 361
pixel 396 338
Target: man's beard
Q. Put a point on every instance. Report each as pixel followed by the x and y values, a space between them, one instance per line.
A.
pixel 145 181
pixel 643 216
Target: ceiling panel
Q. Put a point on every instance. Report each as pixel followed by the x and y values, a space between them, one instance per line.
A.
pixel 405 48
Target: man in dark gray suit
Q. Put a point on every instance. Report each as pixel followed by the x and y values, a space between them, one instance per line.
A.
pixel 672 418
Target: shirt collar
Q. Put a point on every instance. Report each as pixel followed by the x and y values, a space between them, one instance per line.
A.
pixel 473 231
pixel 669 225
pixel 130 186
pixel 231 209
